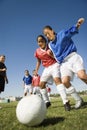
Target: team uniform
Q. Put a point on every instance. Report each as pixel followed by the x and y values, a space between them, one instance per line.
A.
pixel 65 52
pixel 28 84
pixel 2 77
pixel 35 83
pixel 51 66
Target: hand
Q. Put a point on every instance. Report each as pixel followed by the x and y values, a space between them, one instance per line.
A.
pixel 4 69
pixel 79 22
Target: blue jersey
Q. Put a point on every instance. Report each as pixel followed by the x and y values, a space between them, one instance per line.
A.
pixel 27 80
pixel 63 45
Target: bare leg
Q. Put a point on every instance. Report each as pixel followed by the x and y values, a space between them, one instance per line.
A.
pixel 70 89
pixel 82 75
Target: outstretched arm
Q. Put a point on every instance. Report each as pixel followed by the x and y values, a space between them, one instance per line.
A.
pixel 74 29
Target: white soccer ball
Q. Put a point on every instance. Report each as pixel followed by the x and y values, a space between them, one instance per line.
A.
pixel 31 110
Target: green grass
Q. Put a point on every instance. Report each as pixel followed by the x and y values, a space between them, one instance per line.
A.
pixel 56 119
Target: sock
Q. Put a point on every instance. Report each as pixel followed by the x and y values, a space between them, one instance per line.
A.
pixel 72 91
pixel 44 95
pixel 62 92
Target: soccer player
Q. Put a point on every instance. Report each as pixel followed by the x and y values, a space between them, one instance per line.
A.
pixel 65 53
pixel 51 70
pixel 27 83
pixel 35 82
pixel 3 75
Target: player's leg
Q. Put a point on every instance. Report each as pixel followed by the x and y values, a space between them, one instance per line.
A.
pixel 82 75
pixel 38 90
pixel 43 80
pixel 78 67
pixel 34 90
pixel 55 71
pixel 43 92
pixel 2 85
pixel 67 76
pixel 30 89
pixel 25 90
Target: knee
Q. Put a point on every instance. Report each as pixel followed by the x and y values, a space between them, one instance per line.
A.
pixel 42 85
pixel 82 75
pixel 57 81
pixel 66 82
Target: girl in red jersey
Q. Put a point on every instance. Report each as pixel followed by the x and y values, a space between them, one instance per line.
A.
pixel 35 82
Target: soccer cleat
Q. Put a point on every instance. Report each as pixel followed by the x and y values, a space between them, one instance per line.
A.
pixel 48 104
pixel 79 103
pixel 67 106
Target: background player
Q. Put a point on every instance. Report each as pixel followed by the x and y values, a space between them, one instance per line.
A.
pixel 27 83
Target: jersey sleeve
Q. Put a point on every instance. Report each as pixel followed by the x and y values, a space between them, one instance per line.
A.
pixel 71 31
pixel 37 54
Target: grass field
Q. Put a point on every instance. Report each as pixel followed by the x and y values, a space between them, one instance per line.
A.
pixel 56 119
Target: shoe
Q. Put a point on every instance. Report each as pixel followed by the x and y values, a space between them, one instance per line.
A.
pixel 67 106
pixel 48 104
pixel 79 103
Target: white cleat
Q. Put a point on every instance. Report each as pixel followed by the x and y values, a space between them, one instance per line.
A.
pixel 79 103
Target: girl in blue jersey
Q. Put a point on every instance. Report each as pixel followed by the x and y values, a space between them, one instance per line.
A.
pixel 27 83
pixel 65 52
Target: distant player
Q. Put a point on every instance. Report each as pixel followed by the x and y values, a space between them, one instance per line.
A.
pixel 3 75
pixel 65 53
pixel 35 82
pixel 27 83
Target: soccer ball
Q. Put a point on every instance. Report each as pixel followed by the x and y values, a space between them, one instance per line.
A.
pixel 31 110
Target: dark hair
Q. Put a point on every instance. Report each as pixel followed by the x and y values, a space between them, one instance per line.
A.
pixel 48 27
pixel 27 70
pixel 42 37
pixel 2 55
pixel 34 70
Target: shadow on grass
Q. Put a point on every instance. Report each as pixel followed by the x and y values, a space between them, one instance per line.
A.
pixel 52 121
pixel 48 121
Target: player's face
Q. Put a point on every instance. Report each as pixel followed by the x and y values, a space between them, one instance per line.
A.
pixel 26 73
pixel 34 73
pixel 41 43
pixel 49 34
pixel 2 59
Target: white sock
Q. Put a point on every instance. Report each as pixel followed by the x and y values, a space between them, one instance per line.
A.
pixel 62 92
pixel 72 91
pixel 44 95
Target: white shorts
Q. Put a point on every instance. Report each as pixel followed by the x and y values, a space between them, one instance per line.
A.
pixel 50 72
pixel 28 88
pixel 71 65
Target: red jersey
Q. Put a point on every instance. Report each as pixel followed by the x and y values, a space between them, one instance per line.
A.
pixel 36 80
pixel 44 57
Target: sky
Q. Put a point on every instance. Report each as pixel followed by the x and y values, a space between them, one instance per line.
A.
pixel 21 21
